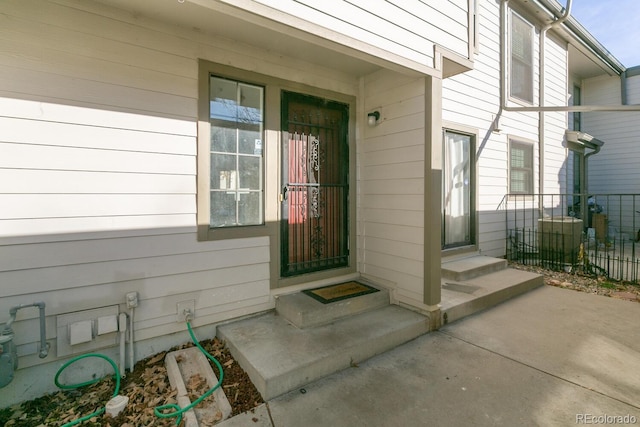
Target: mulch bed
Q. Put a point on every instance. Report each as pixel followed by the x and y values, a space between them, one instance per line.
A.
pixel 147 387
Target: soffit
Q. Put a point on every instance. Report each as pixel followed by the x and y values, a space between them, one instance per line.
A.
pixel 245 28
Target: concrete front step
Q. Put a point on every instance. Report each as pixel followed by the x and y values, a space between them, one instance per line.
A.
pixel 462 269
pixel 460 299
pixel 280 357
pixel 305 312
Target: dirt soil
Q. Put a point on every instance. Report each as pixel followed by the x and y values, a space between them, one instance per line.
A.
pixel 147 387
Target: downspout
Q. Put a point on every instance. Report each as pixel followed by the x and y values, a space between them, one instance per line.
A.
pixel 586 170
pixel 122 327
pixel 503 57
pixel 623 88
pixel 541 92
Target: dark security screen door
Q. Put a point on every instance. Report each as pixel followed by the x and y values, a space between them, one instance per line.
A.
pixel 315 176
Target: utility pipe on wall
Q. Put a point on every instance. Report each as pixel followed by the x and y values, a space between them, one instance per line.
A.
pixel 122 327
pixel 8 350
pixel 131 341
pixel 13 311
pixel 541 91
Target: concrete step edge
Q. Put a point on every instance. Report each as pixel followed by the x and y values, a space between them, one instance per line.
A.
pixel 272 382
pixel 305 312
pixel 490 299
pixel 490 266
pixel 350 357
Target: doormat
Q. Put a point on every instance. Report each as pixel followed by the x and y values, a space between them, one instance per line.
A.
pixel 339 292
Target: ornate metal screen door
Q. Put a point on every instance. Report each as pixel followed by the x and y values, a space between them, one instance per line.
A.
pixel 315 176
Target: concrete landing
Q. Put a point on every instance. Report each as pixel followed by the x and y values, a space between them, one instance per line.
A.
pixel 513 365
pixel 280 357
pixel 461 299
pixel 461 269
pixel 305 312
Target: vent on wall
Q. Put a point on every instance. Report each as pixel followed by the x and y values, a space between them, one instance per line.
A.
pixel 83 331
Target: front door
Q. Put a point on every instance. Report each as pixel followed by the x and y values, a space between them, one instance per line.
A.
pixel 315 177
pixel 457 190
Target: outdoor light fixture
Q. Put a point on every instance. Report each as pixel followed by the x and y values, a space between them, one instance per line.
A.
pixel 373 117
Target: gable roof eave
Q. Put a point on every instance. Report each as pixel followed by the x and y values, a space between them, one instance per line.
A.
pixel 580 37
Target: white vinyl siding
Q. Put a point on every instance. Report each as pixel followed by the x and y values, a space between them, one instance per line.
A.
pixel 406 28
pixel 614 169
pixel 473 98
pixel 98 113
pixel 555 123
pixel 633 89
pixel 391 183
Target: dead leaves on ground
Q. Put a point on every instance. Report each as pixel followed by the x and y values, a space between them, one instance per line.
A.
pixel 147 387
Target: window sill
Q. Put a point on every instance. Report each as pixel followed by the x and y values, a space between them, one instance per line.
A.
pixel 208 234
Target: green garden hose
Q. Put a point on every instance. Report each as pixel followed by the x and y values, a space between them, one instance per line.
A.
pixel 179 411
pixel 74 386
pixel 159 409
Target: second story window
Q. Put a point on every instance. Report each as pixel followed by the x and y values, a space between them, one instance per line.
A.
pixel 521 59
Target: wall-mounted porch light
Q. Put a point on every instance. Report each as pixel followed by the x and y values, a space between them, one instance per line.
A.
pixel 372 118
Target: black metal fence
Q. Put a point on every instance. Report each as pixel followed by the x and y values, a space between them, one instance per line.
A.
pixel 555 231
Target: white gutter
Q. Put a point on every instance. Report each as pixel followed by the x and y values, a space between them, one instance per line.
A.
pixel 583 37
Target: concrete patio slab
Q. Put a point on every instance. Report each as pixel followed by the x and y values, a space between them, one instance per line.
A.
pixel 587 339
pixel 551 357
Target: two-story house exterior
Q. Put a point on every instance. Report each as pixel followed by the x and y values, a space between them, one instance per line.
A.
pixel 227 152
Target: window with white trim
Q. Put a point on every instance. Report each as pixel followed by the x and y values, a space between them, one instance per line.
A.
pixel 520 167
pixel 521 58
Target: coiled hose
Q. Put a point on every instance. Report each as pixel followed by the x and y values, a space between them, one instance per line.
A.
pixel 158 411
pixel 74 386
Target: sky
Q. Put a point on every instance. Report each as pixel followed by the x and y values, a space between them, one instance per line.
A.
pixel 615 23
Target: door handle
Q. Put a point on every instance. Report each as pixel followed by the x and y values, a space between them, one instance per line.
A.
pixel 283 196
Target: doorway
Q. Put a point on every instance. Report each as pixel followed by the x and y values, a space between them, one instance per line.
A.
pixel 315 191
pixel 458 194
